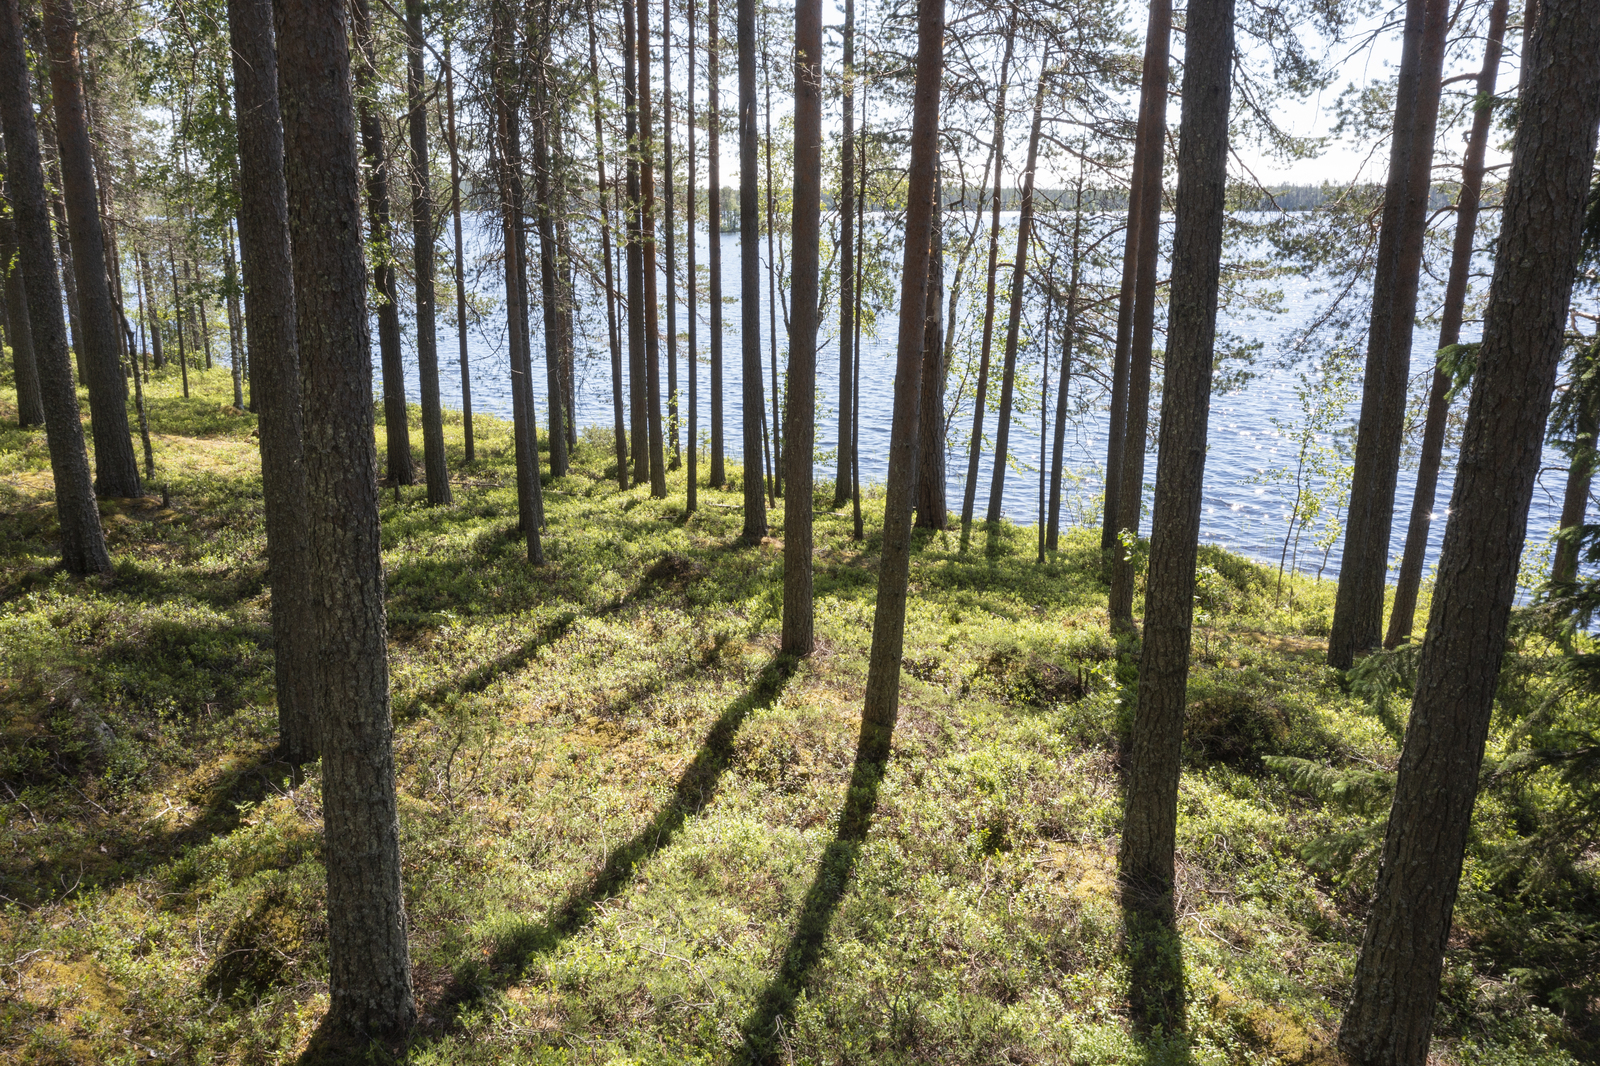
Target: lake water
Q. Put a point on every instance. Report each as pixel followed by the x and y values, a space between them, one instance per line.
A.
pixel 1240 512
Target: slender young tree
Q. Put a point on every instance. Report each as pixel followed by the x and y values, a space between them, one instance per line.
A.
pixel 881 706
pixel 269 277
pixel 544 191
pixel 369 967
pixel 693 488
pixel 1583 423
pixel 1390 1015
pixel 652 304
pixel 468 449
pixel 1052 537
pixel 116 468
pixel 375 154
pixel 435 467
pixel 671 232
pixel 58 209
pixel 156 354
pixel 932 512
pixel 1149 828
pixel 30 407
pixel 775 459
pixel 847 263
pixel 235 322
pixel 1019 281
pixel 177 320
pixel 1358 605
pixel 857 531
pixel 619 421
pixel 639 429
pixel 1126 503
pixel 755 504
pixel 1044 397
pixel 980 396
pixel 1455 301
pixel 83 543
pixel 799 613
pixel 719 476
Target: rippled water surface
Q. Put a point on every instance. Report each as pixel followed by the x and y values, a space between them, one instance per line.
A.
pixel 1240 513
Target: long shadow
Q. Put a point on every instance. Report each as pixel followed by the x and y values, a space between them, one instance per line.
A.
pixel 695 788
pixel 481 677
pixel 761 1031
pixel 1154 953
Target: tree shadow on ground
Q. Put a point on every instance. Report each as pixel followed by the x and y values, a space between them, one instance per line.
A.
pixel 1156 1001
pixel 763 1030
pixel 696 787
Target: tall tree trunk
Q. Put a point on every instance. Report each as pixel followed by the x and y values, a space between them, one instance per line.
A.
pixel 396 427
pixel 269 276
pixel 115 465
pixel 639 428
pixel 30 408
pixel 58 210
pixel 719 476
pixel 235 322
pixel 671 232
pixel 369 967
pixel 652 306
pixel 847 262
pixel 435 467
pixel 530 504
pixel 881 705
pixel 1392 1000
pixel 83 544
pixel 1358 606
pixel 755 504
pixel 1455 300
pixel 980 396
pixel 1152 132
pixel 1052 537
pixel 857 531
pixel 775 482
pixel 1149 828
pixel 177 319
pixel 544 207
pixel 693 500
pixel 619 421
pixel 1044 398
pixel 1580 469
pixel 932 511
pixel 1019 279
pixel 799 612
pixel 469 449
pixel 157 355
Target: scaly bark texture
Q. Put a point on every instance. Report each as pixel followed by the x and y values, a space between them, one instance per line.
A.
pixel 799 415
pixel 116 468
pixel 847 262
pixel 435 468
pixel 638 421
pixel 1019 281
pixel 1138 260
pixel 83 543
pixel 1390 1017
pixel 275 360
pixel 671 233
pixel 619 418
pixel 1580 469
pixel 692 500
pixel 719 475
pixel 375 154
pixel 544 209
pixel 932 511
pixel 369 968
pixel 755 503
pixel 1052 534
pixel 469 450
pixel 881 706
pixel 30 408
pixel 652 306
pixel 1455 299
pixel 1150 820
pixel 1358 605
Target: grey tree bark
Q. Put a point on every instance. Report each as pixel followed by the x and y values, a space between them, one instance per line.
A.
pixel 652 304
pixel 268 269
pixel 544 213
pixel 1150 819
pixel 932 510
pixel 1052 536
pixel 395 417
pixel 692 501
pixel 1390 1016
pixel 799 414
pixel 639 421
pixel 116 468
pixel 619 421
pixel 671 235
pixel 30 408
pixel 755 503
pixel 719 476
pixel 1580 470
pixel 1358 605
pixel 369 967
pixel 881 706
pixel 83 543
pixel 469 450
pixel 435 466
pixel 847 262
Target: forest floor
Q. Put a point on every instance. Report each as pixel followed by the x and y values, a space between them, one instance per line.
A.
pixel 618 805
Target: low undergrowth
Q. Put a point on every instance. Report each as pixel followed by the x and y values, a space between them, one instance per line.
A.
pixel 619 807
